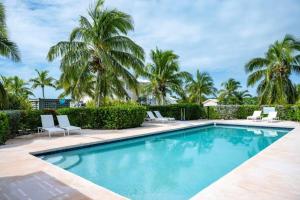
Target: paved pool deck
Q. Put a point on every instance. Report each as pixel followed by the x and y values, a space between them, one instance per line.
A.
pixel 274 173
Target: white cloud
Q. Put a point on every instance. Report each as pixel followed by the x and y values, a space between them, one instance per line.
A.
pixel 213 35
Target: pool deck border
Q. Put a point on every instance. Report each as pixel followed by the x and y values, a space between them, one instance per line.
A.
pixel 233 182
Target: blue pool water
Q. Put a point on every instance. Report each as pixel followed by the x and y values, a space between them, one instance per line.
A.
pixel 174 165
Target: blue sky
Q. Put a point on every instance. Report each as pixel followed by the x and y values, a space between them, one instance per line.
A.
pixel 217 36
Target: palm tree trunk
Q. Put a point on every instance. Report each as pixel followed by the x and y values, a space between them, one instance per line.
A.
pixel 200 95
pixel 97 97
pixel 43 91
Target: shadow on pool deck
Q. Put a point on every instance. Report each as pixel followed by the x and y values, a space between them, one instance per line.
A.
pixel 36 186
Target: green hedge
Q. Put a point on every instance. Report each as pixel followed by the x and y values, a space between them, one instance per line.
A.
pixel 21 122
pixel 17 122
pixel 3 127
pixel 285 112
pixel 110 117
pixel 192 111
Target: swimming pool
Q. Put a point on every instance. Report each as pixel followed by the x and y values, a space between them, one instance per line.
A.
pixel 173 165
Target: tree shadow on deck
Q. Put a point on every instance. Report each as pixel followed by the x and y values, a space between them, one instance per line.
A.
pixel 36 186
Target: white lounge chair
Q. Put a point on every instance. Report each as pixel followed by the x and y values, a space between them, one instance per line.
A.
pixel 153 118
pixel 272 116
pixel 255 116
pixel 63 122
pixel 158 115
pixel 48 125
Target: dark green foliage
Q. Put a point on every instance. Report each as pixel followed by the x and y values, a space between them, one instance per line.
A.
pixel 3 127
pixel 192 111
pixel 250 101
pixel 286 112
pixel 31 119
pixel 83 117
pixel 232 111
pixel 109 117
pixel 14 117
pixel 213 113
pixel 246 110
pixel 25 121
pixel 297 114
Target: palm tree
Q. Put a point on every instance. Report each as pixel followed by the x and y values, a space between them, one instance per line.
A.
pixel 8 49
pixel 272 72
pixel 76 89
pixel 42 80
pixel 241 95
pixel 100 46
pixel 164 75
pixel 3 96
pixel 18 87
pixel 201 87
pixel 230 93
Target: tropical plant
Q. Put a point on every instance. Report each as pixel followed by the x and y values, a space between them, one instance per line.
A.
pixel 74 87
pixel 100 46
pixel 164 75
pixel 201 87
pixel 250 101
pixel 230 94
pixel 297 86
pixel 17 87
pixel 3 96
pixel 8 49
pixel 42 80
pixel 242 95
pixel 17 93
pixel 272 72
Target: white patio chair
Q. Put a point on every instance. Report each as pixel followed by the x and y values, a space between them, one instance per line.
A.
pixel 255 116
pixel 63 122
pixel 272 116
pixel 48 125
pixel 153 118
pixel 158 115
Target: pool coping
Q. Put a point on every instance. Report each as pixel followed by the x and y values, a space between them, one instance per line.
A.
pixel 145 133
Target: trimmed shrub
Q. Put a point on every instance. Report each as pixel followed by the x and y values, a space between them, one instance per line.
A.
pixel 227 111
pixel 192 111
pixel 212 113
pixel 285 112
pixel 246 110
pixel 25 121
pixel 109 117
pixel 82 117
pixel 297 113
pixel 123 116
pixel 14 121
pixel 3 127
